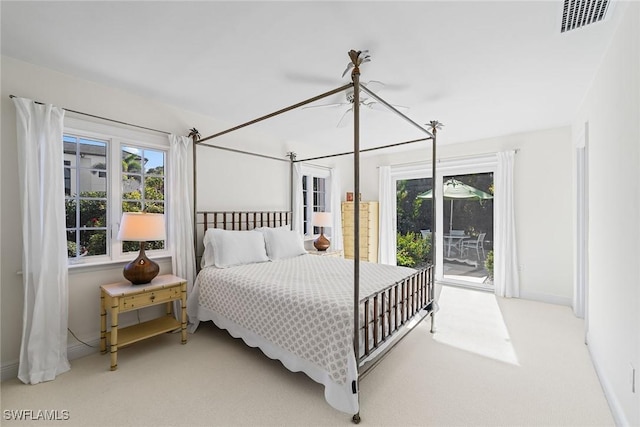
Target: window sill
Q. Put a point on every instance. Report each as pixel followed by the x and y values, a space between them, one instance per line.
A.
pixel 308 238
pixel 104 265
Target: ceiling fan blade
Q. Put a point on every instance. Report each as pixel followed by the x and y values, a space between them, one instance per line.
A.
pixel 374 85
pixel 380 107
pixel 324 105
pixel 349 66
pixel 346 118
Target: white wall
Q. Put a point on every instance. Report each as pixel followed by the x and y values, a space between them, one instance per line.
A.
pixel 612 111
pixel 543 191
pixel 234 181
pixel 226 181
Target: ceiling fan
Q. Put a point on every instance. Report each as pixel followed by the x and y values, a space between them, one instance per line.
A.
pixel 365 101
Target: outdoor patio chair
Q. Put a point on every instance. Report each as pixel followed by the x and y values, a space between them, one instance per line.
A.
pixel 454 241
pixel 477 244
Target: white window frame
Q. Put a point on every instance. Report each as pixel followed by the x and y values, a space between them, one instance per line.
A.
pixel 308 173
pixel 116 138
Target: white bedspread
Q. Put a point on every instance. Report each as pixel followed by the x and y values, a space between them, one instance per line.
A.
pixel 298 308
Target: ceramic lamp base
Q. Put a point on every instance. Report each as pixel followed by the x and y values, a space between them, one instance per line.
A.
pixel 141 270
pixel 321 243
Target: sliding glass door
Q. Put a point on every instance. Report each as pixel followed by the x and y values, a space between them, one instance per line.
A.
pixel 464 238
pixel 467 232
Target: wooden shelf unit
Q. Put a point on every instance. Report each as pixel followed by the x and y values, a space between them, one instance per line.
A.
pixel 368 230
pixel 144 330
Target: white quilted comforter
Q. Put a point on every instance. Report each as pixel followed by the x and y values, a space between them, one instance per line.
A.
pixel 299 310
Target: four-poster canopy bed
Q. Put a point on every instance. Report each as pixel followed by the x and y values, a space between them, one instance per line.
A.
pixel 298 309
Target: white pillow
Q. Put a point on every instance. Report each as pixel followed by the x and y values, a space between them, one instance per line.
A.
pixel 233 248
pixel 282 243
pixel 207 256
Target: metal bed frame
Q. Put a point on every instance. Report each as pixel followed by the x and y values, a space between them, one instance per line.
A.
pixel 388 312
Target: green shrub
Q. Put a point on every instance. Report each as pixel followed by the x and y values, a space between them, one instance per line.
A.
pixel 413 249
pixel 488 263
pixel 71 249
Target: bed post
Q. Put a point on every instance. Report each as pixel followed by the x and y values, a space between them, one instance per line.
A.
pixel 435 125
pixel 292 159
pixel 195 136
pixel 356 60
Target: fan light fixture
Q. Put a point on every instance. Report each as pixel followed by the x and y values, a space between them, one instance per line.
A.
pixel 345 119
pixel 141 227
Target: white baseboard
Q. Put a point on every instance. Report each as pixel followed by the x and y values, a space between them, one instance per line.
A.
pixel 617 411
pixel 10 370
pixel 79 350
pixel 550 299
pixel 533 296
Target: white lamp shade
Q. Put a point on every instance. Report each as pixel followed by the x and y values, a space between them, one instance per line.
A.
pixel 322 219
pixel 141 227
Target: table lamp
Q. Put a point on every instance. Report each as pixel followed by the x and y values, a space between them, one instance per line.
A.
pixel 322 219
pixel 141 227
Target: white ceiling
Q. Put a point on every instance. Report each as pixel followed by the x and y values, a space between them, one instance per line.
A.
pixel 482 68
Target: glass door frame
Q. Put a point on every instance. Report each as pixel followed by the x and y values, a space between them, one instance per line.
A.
pixel 484 163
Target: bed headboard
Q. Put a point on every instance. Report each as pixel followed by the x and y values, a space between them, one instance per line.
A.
pixel 240 220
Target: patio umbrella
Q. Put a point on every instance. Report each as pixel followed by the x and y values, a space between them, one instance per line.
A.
pixel 454 189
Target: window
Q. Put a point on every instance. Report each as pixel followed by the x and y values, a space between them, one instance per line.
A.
pixel 107 171
pixel 86 195
pixel 142 178
pixel 315 198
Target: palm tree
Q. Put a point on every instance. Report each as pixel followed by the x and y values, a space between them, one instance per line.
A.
pixel 131 162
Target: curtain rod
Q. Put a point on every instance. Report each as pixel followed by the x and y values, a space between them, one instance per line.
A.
pixel 314 165
pixel 365 150
pixel 453 158
pixel 104 118
pixel 471 156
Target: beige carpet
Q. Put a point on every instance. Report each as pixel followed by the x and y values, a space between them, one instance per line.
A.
pixel 492 362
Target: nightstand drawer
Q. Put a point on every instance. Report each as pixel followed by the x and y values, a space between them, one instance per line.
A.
pixel 144 299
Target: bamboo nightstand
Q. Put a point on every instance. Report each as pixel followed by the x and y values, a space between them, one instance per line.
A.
pixel 124 296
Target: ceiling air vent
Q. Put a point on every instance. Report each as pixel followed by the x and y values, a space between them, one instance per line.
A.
pixel 578 13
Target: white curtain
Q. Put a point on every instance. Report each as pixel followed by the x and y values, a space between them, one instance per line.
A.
pixel 506 278
pixel 336 210
pixel 387 224
pixel 180 220
pixel 43 351
pixel 298 206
